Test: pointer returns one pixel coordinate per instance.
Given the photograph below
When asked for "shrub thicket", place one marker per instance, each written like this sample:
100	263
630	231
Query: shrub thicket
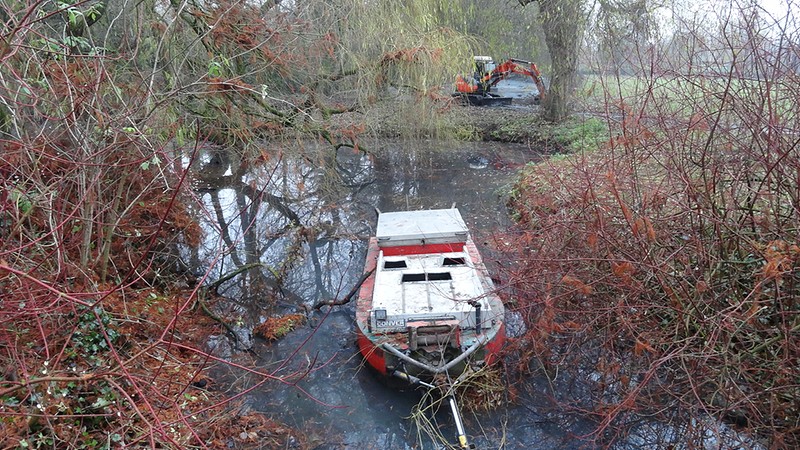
662	268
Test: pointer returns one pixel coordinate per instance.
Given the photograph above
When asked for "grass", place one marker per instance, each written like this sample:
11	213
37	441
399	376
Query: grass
673	94
571	136
579	135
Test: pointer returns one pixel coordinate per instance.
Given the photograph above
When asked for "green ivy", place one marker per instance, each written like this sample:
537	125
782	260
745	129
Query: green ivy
89	337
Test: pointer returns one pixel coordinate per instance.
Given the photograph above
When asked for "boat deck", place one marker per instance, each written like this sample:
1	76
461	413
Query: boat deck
426	287
429	294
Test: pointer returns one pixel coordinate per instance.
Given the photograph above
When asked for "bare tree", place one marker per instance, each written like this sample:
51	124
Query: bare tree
563	23
622	29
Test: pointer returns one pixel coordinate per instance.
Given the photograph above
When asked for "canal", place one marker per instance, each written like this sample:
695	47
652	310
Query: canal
299	220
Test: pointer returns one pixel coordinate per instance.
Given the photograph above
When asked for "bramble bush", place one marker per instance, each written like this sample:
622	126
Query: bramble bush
661	268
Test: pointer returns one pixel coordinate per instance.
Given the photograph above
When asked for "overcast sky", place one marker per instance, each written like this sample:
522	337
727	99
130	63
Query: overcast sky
777	7
711	12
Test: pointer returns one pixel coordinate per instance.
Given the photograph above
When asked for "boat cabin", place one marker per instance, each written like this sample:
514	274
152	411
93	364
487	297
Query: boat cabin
425	278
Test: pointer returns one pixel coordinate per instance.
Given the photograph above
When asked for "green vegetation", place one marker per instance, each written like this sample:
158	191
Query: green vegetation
660	240
104	108
570	136
518	129
578	135
95	334
670	94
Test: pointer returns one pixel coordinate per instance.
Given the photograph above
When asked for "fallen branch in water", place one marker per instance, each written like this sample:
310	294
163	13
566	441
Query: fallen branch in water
212	288
346	299
215	285
217	318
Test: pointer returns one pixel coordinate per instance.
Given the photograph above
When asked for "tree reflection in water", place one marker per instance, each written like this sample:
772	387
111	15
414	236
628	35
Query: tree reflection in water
302	218
306	218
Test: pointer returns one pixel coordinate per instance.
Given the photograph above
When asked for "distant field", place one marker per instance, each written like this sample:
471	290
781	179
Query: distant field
673	95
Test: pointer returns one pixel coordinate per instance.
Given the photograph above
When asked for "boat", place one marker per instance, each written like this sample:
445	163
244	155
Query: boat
427	305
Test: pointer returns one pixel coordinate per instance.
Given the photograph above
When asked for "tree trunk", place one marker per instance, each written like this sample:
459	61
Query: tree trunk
563	26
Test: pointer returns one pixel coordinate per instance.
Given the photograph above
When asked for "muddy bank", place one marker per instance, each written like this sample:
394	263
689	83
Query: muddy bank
440	116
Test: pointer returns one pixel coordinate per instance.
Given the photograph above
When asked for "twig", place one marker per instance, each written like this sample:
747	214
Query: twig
239	344
24	383
346	299
215	285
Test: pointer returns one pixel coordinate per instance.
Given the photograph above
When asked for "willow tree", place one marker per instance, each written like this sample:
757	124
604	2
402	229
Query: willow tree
622	30
411	50
563	24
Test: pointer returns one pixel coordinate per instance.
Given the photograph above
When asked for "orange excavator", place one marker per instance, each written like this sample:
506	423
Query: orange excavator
477	89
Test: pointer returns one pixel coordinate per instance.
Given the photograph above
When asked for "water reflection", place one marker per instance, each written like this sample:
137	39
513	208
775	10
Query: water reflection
305	219
299	222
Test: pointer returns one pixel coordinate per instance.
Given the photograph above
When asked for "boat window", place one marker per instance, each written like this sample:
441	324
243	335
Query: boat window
413	277
440	276
453	262
395	264
437	276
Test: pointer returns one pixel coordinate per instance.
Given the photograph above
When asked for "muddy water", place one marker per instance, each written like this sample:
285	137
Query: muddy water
301	220
305	218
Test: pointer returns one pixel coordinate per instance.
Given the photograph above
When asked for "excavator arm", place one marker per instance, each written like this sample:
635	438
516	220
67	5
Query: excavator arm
521	67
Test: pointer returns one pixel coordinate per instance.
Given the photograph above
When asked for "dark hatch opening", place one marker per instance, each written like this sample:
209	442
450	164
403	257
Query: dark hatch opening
453	262
436	276
413	277
395	264
439	276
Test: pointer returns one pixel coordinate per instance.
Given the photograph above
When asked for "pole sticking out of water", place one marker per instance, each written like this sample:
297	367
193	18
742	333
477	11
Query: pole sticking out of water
463	442
462	433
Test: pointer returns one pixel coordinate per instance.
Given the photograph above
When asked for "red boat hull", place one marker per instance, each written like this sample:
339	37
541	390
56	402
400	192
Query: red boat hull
371	344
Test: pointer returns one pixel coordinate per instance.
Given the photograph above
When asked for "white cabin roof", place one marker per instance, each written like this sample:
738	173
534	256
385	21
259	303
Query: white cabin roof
421	227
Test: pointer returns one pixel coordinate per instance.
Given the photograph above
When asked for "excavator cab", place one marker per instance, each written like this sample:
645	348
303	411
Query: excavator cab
478	84
484	65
